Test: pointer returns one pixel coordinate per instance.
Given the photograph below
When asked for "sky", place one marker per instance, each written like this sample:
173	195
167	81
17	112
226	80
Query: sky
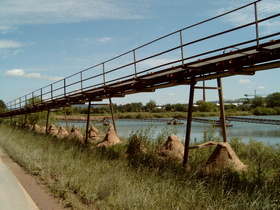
42	42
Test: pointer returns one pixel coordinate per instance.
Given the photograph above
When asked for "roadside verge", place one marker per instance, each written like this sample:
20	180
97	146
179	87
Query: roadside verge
41	197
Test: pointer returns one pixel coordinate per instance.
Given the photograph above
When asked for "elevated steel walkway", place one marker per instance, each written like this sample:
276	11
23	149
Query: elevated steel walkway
128	73
240	62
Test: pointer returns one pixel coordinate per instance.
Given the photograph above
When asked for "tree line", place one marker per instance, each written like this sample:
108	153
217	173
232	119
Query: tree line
269	105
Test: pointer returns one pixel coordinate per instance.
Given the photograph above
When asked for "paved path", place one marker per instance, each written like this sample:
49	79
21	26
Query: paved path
12	195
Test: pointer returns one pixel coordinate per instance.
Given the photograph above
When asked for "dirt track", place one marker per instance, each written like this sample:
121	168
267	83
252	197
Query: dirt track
38	192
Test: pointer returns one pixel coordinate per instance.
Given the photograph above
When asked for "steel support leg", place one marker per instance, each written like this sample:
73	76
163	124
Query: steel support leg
222	110
25	119
204	91
112	113
189	123
47	122
88	118
65	117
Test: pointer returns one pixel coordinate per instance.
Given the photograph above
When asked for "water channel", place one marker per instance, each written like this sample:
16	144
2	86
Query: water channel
268	134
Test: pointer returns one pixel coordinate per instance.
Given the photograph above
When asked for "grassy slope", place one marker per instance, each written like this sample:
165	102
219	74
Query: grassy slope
87	178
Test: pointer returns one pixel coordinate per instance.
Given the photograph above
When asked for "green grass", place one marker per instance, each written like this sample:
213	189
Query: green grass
87	178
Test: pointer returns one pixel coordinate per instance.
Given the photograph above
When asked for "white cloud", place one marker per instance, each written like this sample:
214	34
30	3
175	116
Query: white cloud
4	44
182	101
19	12
261	87
22	73
171	94
5	53
105	39
265	8
15	72
7	29
244	81
91	41
155	62
10	48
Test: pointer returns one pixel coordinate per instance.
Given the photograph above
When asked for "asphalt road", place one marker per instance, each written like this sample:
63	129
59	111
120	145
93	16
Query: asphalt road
12	195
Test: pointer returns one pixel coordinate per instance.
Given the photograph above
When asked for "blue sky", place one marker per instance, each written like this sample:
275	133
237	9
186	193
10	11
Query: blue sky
44	41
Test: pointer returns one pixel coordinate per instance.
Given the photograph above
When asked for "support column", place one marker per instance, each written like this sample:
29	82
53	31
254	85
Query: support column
88	118
47	122
189	123
66	122
112	113
222	110
204	91
25	119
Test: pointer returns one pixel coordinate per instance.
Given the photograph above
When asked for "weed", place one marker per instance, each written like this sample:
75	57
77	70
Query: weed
87	178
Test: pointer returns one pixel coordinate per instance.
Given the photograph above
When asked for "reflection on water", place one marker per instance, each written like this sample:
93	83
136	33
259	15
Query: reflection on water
260	132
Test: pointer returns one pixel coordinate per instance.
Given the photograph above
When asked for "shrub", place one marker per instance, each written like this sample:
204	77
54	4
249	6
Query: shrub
264	111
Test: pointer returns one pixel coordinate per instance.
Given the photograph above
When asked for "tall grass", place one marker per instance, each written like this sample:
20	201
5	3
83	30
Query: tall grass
86	178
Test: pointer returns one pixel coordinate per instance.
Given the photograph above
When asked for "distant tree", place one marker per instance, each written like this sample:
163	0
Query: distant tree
273	100
104	109
131	107
150	105
206	106
248	101
176	107
243	108
168	107
69	110
258	102
34	100
33	118
137	107
2	106
76	110
180	107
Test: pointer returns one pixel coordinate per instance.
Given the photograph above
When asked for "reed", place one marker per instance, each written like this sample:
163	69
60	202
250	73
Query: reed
86	178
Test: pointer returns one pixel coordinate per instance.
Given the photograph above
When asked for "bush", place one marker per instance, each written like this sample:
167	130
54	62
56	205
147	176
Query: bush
265	111
206	106
273	100
157	110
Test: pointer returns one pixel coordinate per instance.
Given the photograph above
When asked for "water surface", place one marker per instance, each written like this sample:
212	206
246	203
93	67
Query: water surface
260	132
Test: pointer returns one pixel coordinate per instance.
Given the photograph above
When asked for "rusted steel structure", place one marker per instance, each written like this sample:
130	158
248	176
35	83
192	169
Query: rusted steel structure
174	59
